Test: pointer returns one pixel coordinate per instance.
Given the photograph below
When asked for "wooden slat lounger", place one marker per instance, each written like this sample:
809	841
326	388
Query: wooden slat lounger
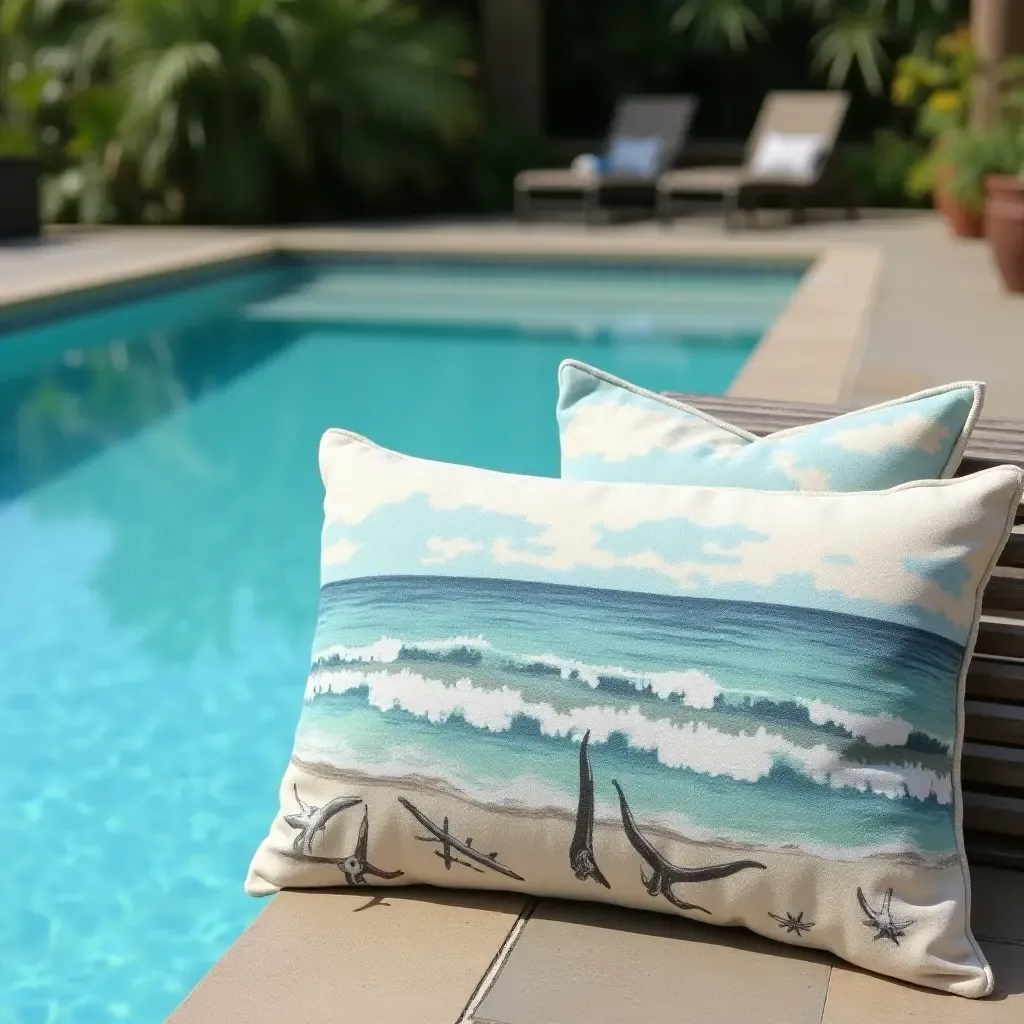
666	117
742	187
993	757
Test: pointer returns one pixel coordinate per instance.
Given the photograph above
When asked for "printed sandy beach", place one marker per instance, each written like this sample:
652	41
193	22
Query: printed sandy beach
784	893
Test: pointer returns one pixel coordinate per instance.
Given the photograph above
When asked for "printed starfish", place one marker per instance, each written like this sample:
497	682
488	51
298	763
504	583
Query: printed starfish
665	874
309	820
356	865
793	924
889	927
581	851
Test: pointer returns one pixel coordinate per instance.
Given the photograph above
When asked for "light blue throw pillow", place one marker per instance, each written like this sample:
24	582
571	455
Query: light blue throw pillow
630	154
612	430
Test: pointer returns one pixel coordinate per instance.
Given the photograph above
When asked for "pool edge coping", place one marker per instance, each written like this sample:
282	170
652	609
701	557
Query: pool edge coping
811	353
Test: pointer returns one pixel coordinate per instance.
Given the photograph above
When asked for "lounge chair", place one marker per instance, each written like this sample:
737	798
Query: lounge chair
789	156
637	120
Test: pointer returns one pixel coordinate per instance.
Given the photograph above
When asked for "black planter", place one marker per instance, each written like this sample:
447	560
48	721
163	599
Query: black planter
19	197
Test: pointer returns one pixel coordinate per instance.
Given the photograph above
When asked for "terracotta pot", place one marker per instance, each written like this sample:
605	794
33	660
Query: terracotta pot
1004	223
964	221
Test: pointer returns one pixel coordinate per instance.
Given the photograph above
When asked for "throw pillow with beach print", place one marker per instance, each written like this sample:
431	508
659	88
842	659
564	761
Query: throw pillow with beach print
612	430
744	707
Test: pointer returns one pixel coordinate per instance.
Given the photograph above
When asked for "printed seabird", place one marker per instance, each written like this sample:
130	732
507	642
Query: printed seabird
581	851
309	820
666	874
356	865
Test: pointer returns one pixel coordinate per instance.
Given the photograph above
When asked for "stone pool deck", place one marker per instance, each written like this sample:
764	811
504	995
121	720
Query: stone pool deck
423	956
891	304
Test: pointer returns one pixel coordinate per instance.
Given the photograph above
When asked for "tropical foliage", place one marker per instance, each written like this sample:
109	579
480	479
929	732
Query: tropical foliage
878	171
938	86
242	110
938	83
852	36
973	155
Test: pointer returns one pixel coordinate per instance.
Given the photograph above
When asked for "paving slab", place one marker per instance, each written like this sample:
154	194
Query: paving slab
856	997
78	260
578	963
409	956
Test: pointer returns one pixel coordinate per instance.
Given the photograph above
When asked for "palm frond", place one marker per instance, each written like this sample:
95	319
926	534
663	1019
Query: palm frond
223	96
735	24
855	40
283	120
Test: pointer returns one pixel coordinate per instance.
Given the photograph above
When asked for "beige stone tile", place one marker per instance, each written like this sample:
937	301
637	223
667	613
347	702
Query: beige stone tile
856	997
997	904
577	963
83	260
414	957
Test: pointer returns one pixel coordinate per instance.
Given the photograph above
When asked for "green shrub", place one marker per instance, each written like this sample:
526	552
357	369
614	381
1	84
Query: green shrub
246	111
878	171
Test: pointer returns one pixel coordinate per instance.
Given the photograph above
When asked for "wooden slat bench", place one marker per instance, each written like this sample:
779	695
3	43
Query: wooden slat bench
993	756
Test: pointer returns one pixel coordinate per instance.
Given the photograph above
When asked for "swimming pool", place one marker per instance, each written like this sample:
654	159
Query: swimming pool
159	518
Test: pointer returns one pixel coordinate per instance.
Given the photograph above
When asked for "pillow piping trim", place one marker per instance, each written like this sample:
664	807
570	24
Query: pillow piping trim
907	485
956	453
958	739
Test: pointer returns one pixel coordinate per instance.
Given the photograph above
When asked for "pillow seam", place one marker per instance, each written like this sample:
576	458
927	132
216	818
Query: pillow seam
953	460
907	485
958	741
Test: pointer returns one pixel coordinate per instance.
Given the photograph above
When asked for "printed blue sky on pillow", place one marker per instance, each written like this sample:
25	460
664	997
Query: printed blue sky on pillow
612	430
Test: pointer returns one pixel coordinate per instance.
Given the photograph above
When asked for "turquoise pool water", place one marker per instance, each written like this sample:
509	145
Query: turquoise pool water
159	522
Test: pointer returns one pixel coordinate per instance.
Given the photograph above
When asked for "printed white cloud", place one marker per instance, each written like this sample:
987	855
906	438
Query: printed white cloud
619	432
444	550
340	551
914	430
802	536
807	478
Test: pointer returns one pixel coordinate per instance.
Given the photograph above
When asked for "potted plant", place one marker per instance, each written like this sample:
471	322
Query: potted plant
938	87
972	157
1004	225
19	164
1004	213
1004	210
954	173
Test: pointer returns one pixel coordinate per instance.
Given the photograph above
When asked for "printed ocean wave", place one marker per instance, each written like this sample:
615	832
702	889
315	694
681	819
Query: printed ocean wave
386	650
745	757
878	730
695	688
